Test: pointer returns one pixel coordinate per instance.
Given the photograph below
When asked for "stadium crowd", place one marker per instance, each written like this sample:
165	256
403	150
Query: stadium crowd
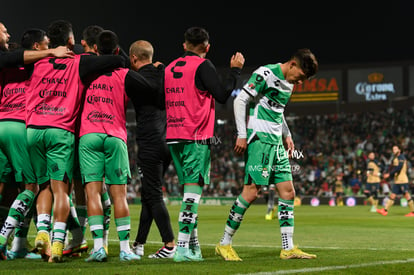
330	144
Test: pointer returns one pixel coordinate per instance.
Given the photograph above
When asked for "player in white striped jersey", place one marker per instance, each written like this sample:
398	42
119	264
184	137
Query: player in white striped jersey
267	161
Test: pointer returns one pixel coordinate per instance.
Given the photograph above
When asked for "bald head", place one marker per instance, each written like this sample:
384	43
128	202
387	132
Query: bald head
4	38
140	54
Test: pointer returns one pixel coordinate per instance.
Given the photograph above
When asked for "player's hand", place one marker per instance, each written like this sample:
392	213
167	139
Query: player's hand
237	60
386	175
156	64
290	145
62	52
241	145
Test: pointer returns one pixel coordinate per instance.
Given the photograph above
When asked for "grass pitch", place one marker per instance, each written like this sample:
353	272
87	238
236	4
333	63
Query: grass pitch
347	240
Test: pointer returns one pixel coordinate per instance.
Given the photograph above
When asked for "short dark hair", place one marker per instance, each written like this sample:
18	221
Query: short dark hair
59	32
307	61
32	36
90	34
196	36
107	42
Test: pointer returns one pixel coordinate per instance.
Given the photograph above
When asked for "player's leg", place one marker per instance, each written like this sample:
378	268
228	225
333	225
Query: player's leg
409	199
153	205
256	175
13	140
282	177
92	165
37	152
78	217
192	161
60	154
117	172
370	196
146	217
96	220
396	189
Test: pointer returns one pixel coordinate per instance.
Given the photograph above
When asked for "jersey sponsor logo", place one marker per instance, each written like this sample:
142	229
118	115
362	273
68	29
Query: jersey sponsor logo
92	99
96	116
47	109
45	93
8	92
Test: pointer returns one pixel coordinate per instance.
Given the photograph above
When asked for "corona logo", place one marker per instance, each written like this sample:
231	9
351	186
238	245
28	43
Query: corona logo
375	77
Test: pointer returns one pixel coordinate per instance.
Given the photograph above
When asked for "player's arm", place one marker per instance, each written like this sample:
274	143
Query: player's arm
288	137
397	169
92	64
208	80
22	57
135	84
240	109
60	52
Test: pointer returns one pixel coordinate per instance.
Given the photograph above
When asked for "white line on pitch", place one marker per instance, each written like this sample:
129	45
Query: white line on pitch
335	267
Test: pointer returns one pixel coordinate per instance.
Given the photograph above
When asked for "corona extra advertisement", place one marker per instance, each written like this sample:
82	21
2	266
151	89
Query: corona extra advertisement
375	84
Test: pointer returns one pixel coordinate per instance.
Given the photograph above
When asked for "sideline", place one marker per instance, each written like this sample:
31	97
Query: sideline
335	267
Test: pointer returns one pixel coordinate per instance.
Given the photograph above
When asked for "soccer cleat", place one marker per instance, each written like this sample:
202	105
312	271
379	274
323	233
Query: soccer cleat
162	253
3	252
128	256
57	252
42	244
373	209
196	253
23	253
227	252
98	256
295	253
75	249
138	250
268	217
411	214
182	254
382	211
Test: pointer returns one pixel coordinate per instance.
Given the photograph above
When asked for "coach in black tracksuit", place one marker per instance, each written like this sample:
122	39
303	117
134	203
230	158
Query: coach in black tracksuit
153	154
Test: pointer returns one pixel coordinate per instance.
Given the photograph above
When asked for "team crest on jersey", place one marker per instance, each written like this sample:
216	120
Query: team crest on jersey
265	173
252	86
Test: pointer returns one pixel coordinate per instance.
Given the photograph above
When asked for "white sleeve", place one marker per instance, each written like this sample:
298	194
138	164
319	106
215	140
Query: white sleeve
285	128
239	106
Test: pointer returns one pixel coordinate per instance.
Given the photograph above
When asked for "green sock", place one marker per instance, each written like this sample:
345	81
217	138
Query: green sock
96	227
18	210
286	222
234	220
123	227
188	214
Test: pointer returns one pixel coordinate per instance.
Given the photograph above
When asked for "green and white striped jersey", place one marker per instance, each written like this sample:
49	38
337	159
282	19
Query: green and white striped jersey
270	92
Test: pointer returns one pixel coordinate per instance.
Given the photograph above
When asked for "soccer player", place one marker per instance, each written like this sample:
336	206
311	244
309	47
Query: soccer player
400	187
269	89
78	244
339	189
153	154
13	141
373	181
191	88
53	102
103	150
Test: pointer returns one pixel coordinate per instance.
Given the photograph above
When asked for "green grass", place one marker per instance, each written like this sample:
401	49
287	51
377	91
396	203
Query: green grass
347	240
